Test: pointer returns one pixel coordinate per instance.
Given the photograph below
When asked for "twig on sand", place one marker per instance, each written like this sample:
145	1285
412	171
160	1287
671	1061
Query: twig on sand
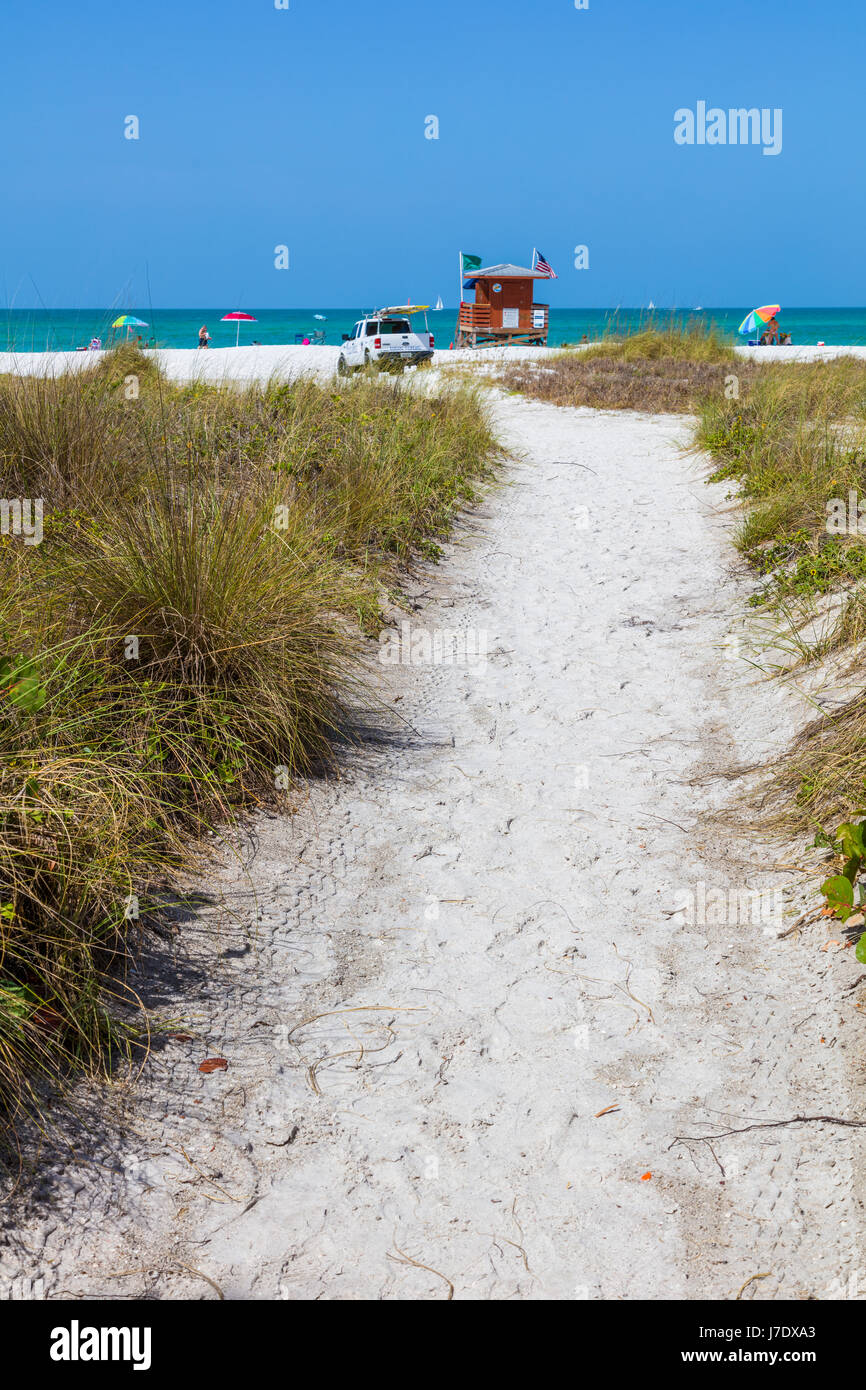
204	1175
360	1050
810	915
568	463
769	1124
626	985
494	1237
358	1009
205	1277
407	1260
125	1273
751	1279
652	815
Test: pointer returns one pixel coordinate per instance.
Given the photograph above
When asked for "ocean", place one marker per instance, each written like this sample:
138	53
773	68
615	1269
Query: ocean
35	330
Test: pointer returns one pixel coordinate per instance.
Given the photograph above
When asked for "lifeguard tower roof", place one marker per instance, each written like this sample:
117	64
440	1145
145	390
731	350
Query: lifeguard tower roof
505	272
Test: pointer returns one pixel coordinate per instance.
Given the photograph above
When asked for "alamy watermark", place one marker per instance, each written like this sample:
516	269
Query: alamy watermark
22	516
737	126
851	1286
418	646
846	518
23	1289
732	906
77	1343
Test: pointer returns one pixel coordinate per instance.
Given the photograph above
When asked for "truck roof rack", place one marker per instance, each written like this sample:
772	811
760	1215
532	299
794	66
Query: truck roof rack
401	309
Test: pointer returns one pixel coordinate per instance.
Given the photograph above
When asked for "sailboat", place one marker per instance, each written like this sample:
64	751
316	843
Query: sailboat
439	304
651	305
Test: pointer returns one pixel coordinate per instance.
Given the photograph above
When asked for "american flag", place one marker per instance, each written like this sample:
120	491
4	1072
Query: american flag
544	267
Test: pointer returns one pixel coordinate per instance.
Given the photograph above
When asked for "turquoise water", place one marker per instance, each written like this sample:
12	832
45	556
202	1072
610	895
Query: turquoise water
34	330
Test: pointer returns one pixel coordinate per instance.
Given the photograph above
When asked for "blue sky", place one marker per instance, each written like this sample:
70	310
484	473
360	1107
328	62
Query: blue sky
306	127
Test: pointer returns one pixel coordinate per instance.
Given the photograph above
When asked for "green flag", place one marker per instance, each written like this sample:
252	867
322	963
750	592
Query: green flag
470	262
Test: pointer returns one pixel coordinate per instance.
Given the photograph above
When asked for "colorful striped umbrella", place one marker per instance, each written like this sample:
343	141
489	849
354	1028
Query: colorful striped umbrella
758	317
127	321
238	318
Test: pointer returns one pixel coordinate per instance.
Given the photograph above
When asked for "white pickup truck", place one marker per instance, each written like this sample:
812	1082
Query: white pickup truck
388	339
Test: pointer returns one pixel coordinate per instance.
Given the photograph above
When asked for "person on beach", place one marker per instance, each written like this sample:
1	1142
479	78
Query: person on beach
773	331
203	336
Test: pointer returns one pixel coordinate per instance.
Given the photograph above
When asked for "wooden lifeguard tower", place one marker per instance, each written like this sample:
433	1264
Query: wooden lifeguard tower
504	310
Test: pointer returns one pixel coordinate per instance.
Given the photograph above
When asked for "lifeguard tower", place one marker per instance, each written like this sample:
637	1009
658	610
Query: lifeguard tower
504	310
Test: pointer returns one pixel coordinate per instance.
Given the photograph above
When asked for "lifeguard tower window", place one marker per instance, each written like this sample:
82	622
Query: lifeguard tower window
395	326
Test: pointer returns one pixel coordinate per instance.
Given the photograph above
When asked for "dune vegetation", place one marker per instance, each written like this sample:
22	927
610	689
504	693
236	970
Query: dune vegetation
795	445
669	366
184	640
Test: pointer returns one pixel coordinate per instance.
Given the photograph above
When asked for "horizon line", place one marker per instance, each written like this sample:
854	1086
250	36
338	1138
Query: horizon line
303	308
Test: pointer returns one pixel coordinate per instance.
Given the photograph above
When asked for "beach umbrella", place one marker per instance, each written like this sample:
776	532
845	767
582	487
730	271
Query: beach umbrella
238	318
127	321
758	317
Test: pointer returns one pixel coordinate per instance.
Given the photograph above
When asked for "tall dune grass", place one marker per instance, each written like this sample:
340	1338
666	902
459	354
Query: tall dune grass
185	641
793	442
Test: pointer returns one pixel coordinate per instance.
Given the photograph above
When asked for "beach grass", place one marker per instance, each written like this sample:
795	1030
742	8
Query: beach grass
659	368
794	447
185	642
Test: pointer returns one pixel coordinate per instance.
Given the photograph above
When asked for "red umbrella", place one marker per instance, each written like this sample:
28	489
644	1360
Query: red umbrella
238	318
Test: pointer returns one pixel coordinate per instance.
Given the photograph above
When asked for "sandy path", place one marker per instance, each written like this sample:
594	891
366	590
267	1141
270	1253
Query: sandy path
494	891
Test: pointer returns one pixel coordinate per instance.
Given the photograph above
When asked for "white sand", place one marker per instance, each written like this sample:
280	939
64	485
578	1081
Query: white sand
290	362
451	960
800	354
243	363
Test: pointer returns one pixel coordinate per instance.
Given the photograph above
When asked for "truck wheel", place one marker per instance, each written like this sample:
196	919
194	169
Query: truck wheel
343	368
